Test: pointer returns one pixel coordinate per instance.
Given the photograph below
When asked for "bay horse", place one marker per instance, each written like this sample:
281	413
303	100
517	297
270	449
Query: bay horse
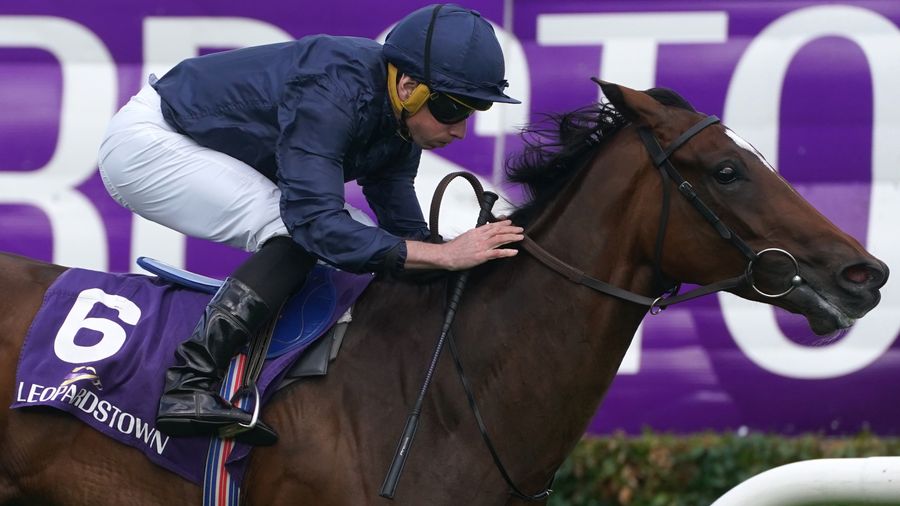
539	350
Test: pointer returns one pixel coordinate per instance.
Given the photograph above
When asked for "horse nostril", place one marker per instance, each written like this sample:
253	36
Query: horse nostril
858	274
865	275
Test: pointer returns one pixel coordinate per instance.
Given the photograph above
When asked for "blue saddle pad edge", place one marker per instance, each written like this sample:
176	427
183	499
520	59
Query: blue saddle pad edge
305	317
179	276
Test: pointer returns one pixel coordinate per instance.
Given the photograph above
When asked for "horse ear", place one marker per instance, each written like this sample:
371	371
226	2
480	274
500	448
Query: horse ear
634	105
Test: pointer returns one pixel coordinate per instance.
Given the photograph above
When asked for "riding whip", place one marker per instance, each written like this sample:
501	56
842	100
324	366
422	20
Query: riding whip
412	422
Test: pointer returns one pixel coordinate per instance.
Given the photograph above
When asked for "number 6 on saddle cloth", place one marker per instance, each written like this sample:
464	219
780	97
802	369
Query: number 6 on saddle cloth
126	328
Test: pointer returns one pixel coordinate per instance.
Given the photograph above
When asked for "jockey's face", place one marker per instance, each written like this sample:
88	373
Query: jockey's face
425	131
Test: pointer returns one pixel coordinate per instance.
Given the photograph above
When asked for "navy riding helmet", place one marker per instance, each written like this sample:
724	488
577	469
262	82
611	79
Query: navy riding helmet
452	50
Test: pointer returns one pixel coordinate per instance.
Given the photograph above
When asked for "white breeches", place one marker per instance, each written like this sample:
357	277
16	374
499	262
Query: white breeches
168	178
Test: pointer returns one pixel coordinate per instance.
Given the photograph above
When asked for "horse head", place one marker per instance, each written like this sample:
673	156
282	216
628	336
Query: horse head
790	254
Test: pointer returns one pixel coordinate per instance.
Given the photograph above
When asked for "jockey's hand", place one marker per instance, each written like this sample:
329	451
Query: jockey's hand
472	248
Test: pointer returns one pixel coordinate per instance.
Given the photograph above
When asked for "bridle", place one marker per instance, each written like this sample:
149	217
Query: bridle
669	174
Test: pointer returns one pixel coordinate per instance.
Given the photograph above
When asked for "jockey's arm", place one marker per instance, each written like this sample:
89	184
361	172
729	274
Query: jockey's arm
394	201
310	178
472	248
391	195
313	198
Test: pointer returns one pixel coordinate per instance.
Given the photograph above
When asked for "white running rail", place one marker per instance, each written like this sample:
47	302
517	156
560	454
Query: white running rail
863	481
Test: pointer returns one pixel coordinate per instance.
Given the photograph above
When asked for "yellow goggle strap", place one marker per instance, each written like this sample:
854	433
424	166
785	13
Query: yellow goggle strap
416	99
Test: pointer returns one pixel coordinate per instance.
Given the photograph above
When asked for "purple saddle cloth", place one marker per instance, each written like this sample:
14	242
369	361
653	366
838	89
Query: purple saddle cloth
99	346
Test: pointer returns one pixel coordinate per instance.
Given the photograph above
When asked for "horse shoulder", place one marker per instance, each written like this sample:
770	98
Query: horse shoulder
336	432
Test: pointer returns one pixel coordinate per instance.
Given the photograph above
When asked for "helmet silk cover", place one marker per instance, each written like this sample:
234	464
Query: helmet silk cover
464	57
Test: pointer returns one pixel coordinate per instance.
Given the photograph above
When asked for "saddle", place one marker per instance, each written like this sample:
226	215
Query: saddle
303	321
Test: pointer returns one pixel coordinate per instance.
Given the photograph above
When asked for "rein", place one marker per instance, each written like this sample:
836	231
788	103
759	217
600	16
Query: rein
388	487
668	173
433	220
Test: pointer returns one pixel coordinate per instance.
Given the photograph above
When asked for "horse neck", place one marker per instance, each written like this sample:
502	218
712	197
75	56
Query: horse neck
604	223
548	340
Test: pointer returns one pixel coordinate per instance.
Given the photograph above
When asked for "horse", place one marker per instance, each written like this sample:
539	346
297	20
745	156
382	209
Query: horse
539	350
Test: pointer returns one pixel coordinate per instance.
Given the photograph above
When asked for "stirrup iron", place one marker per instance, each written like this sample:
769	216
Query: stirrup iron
230	431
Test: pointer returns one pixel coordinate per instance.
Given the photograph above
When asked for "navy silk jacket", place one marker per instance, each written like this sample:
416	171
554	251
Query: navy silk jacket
310	115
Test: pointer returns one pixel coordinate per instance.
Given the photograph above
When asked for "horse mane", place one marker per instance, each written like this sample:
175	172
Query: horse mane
559	145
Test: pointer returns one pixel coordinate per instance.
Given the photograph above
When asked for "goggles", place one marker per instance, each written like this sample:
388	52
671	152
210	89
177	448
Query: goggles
450	109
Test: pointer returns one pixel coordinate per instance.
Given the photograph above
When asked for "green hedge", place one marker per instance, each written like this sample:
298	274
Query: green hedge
669	470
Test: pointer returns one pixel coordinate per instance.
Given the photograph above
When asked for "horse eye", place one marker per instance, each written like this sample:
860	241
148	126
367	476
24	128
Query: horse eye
726	175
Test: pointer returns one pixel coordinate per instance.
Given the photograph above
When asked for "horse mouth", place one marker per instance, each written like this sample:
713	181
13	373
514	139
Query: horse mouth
825	316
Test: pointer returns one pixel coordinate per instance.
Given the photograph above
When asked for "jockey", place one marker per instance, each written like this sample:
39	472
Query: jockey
252	148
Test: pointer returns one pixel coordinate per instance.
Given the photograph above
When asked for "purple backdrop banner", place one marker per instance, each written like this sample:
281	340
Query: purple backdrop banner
810	83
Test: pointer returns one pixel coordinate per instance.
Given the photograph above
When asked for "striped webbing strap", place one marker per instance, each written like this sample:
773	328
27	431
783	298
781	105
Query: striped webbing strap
219	489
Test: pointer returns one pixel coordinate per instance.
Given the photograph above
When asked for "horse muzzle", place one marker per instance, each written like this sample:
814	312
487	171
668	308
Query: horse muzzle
835	304
862	277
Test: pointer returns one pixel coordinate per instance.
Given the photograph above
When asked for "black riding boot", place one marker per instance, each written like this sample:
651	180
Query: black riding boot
191	405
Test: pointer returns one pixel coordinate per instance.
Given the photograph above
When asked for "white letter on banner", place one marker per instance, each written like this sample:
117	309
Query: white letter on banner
502	119
630	42
167	41
113	334
88	101
508	118
752	108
